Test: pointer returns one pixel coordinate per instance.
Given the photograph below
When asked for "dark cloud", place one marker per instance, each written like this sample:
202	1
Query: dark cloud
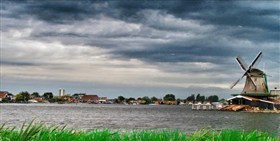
162	34
56	34
17	63
223	14
180	53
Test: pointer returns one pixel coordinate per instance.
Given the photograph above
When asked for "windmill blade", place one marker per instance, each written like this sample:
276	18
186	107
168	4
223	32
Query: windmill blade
249	76
241	63
237	80
255	60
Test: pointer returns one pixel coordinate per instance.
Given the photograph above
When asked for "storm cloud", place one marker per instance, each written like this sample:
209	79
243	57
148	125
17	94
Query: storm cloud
115	48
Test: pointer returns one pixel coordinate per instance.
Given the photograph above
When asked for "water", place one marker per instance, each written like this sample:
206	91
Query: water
127	117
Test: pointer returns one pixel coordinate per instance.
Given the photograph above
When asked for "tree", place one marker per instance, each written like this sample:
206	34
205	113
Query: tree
213	98
60	99
48	95
35	94
169	97
130	99
154	98
202	98
197	97
191	98
23	96
147	100
6	100
121	98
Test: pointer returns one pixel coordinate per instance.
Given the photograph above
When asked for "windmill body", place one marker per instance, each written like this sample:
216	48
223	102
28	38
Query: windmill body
256	84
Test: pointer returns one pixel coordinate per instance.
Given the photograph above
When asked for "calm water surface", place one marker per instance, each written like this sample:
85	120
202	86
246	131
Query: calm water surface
127	117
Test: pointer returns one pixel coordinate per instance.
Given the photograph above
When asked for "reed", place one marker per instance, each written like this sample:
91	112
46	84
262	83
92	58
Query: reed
41	132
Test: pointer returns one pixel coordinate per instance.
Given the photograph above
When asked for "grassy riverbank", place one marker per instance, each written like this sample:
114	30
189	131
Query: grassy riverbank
40	132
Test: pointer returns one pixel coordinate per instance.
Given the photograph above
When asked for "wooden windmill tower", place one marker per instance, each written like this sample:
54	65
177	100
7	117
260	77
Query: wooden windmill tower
256	82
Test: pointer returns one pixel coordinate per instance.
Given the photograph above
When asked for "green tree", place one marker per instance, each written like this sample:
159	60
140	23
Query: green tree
202	98
60	99
35	94
213	98
169	97
6	100
130	99
191	98
121	99
23	97
48	95
147	100
154	98
198	97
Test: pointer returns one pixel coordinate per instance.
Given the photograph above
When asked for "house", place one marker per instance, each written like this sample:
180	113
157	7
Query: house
102	100
170	102
276	93
6	95
136	102
268	103
71	100
78	97
159	101
90	99
38	99
3	95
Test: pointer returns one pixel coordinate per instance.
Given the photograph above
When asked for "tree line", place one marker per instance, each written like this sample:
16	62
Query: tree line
200	98
170	97
24	96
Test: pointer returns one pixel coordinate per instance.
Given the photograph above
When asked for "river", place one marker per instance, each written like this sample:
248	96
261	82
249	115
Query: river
127	117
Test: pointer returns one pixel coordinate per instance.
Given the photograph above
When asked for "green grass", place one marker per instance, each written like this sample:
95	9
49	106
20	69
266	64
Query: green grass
40	132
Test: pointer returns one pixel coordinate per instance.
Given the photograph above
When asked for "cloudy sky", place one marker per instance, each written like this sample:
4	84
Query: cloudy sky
136	48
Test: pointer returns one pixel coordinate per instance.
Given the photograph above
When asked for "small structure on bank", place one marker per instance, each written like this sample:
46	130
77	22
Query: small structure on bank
90	99
255	94
208	106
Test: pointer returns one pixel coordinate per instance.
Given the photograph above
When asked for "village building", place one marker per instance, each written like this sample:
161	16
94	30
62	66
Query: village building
158	102
170	102
6	95
90	99
103	100
137	101
275	92
3	95
253	102
38	99
71	100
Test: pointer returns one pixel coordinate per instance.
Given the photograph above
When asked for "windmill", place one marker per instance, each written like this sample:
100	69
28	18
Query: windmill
256	82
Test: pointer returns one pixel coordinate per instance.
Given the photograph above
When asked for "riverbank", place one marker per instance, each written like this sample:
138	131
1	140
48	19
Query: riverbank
265	111
39	132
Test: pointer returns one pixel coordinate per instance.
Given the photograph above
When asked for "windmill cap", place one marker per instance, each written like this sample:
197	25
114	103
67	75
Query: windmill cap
255	71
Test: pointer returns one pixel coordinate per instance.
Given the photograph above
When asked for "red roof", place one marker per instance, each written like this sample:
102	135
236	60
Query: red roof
89	97
3	94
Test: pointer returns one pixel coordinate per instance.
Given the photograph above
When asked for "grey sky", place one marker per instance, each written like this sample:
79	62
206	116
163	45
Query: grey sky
136	48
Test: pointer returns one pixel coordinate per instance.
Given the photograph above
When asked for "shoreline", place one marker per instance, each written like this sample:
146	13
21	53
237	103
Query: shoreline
86	104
